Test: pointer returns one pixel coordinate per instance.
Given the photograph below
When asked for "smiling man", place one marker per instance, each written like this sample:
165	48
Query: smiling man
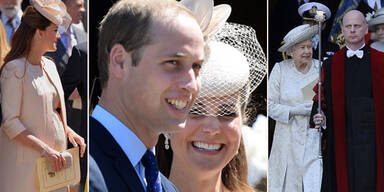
150	54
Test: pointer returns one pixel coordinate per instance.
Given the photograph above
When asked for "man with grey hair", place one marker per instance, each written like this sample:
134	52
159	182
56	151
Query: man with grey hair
150	54
353	105
10	16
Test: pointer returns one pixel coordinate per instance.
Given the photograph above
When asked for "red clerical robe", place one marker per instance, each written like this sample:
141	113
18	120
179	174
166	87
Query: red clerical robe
335	177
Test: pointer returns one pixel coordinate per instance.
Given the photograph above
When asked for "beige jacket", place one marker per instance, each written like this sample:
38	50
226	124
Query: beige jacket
30	96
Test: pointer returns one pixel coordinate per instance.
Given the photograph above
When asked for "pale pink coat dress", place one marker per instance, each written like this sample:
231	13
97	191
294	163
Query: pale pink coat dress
30	96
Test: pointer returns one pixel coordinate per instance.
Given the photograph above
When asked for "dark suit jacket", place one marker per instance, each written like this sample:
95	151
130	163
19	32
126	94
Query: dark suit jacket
97	183
60	56
75	75
117	170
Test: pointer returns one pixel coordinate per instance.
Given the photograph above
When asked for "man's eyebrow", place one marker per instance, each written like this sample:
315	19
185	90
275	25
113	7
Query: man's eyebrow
181	55
175	54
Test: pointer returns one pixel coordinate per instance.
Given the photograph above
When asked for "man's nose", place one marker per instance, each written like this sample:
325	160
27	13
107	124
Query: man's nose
190	81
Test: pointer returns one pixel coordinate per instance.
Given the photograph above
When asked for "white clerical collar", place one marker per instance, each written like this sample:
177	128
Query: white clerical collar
356	49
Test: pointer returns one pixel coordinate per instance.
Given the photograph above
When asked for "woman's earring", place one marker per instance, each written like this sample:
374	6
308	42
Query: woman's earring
166	142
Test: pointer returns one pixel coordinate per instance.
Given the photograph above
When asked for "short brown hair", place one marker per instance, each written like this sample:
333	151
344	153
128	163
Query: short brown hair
128	23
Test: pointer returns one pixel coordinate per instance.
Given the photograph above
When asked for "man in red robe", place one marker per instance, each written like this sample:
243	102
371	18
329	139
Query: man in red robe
353	93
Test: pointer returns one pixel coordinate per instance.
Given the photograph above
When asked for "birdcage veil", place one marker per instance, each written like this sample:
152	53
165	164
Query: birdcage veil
234	67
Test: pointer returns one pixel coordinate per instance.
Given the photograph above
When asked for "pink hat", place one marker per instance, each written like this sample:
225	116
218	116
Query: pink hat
54	10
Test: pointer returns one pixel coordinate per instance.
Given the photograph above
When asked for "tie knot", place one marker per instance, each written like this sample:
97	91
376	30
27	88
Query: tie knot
149	160
12	23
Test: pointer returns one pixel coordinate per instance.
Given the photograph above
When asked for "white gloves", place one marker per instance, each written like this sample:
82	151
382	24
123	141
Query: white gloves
301	109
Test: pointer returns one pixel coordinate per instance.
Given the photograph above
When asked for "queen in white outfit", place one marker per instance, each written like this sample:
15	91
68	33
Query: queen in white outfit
293	162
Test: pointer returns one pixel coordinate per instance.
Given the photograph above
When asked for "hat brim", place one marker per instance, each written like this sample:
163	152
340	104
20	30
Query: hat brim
320	6
375	21
301	36
55	11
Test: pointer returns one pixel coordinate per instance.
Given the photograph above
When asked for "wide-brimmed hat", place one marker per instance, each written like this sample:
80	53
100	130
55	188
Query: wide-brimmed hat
211	18
54	10
375	19
308	10
297	35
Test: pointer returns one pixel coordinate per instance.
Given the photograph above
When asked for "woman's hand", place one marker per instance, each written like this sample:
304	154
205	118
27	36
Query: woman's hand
76	139
55	158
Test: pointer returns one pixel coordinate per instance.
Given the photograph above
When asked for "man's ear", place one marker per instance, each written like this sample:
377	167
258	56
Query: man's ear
119	61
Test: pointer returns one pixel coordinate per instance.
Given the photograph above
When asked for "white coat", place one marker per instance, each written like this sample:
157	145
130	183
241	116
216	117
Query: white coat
294	143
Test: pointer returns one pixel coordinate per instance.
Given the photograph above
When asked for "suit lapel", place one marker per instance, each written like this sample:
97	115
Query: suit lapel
128	173
60	51
122	165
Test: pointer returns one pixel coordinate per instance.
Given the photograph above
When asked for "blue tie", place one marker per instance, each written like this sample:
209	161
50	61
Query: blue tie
12	24
151	172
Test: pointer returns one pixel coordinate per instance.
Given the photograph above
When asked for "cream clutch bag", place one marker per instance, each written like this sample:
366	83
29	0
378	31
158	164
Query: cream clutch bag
68	161
50	180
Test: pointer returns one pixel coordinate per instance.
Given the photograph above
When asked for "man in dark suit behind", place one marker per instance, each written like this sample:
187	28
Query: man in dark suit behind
75	76
150	54
68	39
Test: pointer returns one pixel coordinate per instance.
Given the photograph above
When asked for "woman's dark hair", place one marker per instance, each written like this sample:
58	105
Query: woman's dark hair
234	174
22	38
